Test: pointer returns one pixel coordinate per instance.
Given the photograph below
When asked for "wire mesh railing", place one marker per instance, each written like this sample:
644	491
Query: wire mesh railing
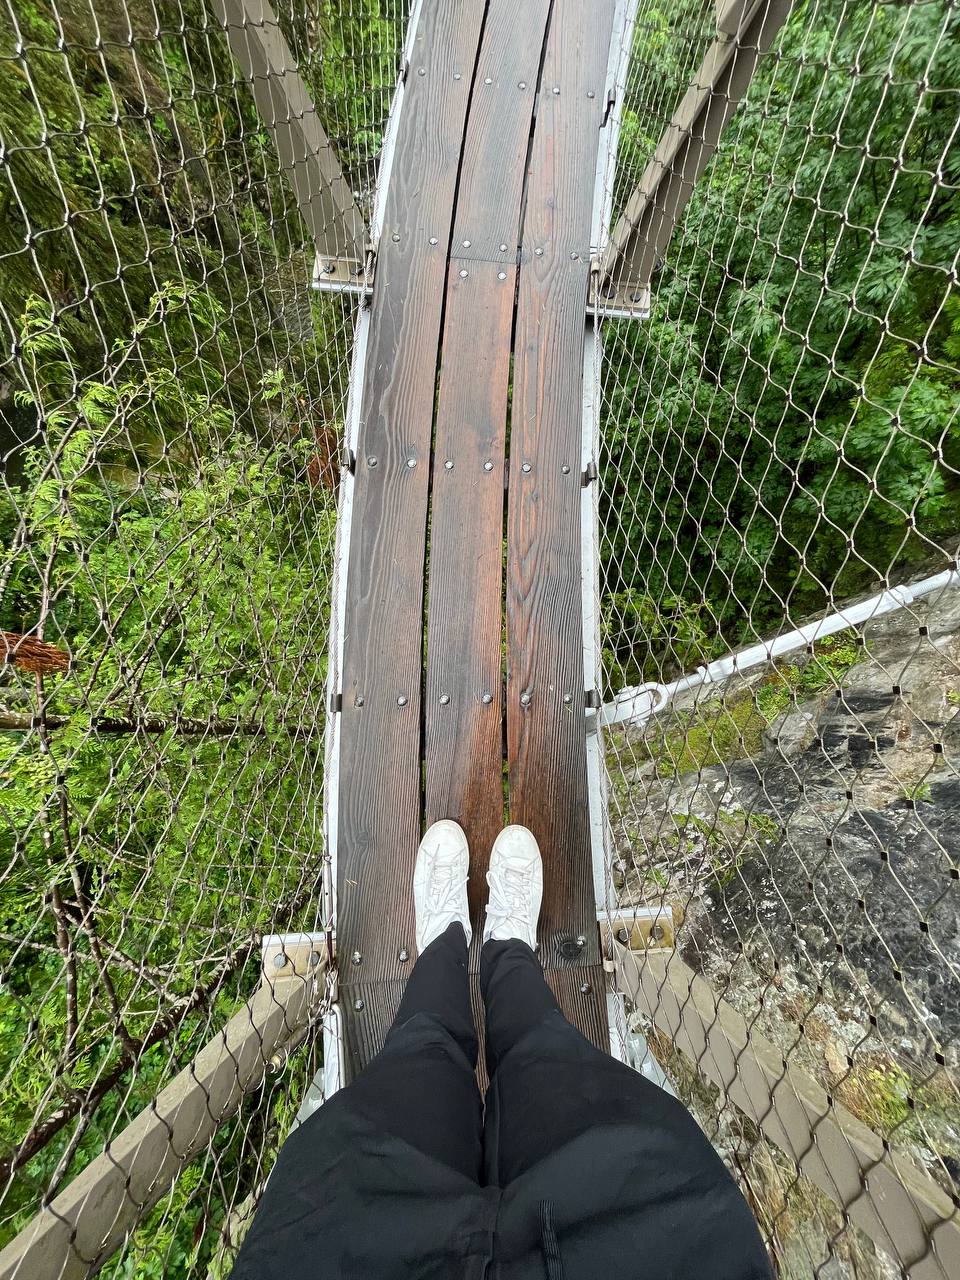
171	406
779	440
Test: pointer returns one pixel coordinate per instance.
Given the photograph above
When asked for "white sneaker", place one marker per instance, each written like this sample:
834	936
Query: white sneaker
516	887
440	883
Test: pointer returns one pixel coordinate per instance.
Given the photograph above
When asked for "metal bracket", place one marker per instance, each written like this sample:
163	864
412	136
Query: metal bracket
589	474
336	704
639	929
291	955
591	699
343	275
617	300
611	103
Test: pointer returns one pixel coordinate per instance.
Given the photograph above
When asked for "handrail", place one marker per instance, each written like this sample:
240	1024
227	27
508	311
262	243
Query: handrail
76	1233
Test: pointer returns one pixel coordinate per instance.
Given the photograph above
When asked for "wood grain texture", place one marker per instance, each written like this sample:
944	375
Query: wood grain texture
546	729
498	132
380	775
463	743
464	733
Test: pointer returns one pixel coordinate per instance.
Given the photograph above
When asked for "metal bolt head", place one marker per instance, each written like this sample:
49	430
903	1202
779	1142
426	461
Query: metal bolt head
280	959
401	701
574	256
591	93
358	1004
356	958
568	698
556	89
525	466
522	84
371	461
585	989
488	80
396	237
656	933
464	274
433	240
448	465
524	699
411	463
565	468
623	935
466	244
501	275
403	955
458	75
488	466
444	699
421	71
486	699
503	248
359	700
538	252
581	940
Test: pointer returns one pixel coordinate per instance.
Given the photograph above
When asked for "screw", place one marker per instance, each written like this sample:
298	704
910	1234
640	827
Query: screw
522	84
371	461
581	940
358	1004
464	274
487	699
565	469
411	463
444	699
488	80
538	252
448	465
574	256
433	239
525	466
591	93
401	701
501	275
403	955
396	237
568	698
488	466
358	701
421	71
503	248
356	958
623	935
458	75
585	989
466	244
524	699
556	89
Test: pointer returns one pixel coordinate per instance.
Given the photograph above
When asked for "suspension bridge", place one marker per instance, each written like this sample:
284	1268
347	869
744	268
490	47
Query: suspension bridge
472	604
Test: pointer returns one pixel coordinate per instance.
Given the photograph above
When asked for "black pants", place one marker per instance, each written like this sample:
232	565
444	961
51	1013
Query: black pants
421	1087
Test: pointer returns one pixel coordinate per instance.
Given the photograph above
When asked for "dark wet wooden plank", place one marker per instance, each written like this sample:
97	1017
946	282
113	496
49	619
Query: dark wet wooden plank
463	711
545	677
380	772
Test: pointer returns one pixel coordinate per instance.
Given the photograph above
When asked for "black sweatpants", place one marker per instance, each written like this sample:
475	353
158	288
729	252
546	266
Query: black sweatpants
421	1087
578	1167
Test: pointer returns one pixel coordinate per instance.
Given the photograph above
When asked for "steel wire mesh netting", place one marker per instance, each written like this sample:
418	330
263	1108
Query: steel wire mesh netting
171	406
780	440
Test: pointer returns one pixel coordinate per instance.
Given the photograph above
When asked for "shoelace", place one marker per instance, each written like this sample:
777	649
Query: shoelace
511	888
443	886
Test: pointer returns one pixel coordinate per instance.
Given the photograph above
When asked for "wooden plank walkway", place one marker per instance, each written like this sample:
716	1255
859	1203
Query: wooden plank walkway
481	285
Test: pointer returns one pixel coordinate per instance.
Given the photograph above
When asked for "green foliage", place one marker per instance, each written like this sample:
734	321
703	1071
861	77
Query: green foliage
188	579
784	428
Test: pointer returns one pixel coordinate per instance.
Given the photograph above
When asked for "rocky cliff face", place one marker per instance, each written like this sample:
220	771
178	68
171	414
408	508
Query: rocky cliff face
805	825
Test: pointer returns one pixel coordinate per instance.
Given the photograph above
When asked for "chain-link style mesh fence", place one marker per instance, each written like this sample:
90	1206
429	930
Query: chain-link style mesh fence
172	399
779	447
780	441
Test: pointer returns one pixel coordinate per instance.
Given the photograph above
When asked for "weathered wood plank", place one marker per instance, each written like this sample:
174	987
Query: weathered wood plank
380	775
463	712
545	678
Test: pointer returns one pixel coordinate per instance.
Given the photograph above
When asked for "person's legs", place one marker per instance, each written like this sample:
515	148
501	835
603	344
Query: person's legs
421	1087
